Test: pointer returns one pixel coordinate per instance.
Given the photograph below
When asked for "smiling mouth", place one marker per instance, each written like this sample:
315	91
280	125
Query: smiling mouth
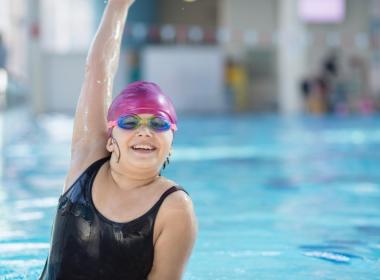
144	148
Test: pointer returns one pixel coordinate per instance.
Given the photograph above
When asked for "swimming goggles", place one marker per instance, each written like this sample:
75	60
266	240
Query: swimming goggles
132	121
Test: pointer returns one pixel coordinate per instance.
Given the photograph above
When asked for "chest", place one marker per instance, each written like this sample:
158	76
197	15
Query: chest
119	206
129	207
81	241
80	227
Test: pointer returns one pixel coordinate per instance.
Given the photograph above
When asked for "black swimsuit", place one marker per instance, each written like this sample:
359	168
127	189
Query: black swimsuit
87	245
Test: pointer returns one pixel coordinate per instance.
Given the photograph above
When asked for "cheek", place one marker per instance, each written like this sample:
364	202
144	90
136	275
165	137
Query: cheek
166	142
123	137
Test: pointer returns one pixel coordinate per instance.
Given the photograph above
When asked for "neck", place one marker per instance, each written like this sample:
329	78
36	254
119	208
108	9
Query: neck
127	179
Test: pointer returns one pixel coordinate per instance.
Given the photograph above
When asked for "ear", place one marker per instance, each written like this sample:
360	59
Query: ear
109	144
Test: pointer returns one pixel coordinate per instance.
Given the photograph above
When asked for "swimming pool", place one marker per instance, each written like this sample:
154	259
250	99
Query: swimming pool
276	198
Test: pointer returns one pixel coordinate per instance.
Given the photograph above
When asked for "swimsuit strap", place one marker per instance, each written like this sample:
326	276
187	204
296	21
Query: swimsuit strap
169	191
95	166
86	175
173	189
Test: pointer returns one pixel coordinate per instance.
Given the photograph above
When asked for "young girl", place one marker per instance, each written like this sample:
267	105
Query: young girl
118	218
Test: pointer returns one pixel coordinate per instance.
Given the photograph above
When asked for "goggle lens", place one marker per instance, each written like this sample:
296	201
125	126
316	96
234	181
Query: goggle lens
128	122
133	121
159	124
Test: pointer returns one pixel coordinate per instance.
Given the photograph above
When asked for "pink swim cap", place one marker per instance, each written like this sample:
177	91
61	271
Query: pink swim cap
142	97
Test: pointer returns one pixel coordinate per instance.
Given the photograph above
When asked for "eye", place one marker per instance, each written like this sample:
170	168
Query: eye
159	123
129	122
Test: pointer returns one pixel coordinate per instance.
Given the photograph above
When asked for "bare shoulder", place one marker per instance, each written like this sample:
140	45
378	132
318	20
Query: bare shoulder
178	226
177	205
177	199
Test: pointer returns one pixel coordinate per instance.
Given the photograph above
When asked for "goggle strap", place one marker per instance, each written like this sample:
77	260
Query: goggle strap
112	124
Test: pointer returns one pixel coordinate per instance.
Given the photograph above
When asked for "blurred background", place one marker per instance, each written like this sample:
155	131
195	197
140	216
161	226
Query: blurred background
288	56
279	133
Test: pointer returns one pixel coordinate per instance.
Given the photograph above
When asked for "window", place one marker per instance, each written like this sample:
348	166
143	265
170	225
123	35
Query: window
319	11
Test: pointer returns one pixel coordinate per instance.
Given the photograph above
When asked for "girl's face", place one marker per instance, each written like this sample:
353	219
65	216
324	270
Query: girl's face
141	148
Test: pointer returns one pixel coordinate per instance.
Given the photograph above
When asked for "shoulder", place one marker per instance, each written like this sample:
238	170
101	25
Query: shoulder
178	206
177	200
178	231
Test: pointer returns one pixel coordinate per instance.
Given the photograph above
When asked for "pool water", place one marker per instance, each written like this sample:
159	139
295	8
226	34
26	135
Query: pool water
276	198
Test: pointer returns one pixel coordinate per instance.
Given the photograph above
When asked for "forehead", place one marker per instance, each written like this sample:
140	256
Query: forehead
148	115
145	115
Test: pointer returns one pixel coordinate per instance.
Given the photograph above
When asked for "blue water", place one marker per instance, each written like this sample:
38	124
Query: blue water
276	198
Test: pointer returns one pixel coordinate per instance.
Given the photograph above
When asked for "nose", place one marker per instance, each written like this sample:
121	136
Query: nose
144	131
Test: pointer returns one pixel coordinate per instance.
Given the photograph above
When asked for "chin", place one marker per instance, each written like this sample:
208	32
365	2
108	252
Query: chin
148	165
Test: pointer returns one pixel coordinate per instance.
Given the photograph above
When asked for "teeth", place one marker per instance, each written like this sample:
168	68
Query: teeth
145	147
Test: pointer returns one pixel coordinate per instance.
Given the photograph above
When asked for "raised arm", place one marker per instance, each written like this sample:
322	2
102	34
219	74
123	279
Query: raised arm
90	124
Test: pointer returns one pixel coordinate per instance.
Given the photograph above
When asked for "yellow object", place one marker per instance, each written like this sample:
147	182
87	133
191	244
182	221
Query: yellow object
237	79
